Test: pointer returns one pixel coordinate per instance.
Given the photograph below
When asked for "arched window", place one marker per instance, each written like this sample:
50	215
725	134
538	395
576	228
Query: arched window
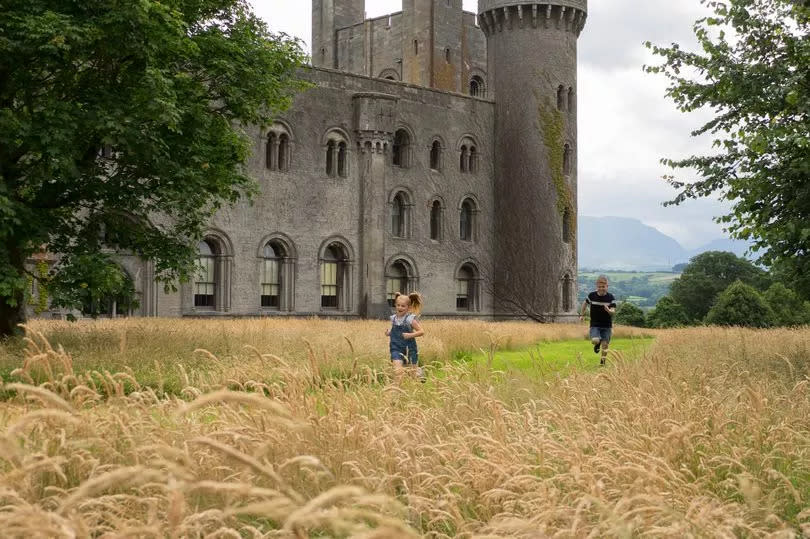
468	155
567	303
466	225
477	88
389	74
436	220
571	97
466	288
330	281
399	277
401	149
416	46
567	159
447	55
277	153
400	215
337	155
566	226
464	159
435	155
473	164
560	97
271	275
205	281
342	160
110	306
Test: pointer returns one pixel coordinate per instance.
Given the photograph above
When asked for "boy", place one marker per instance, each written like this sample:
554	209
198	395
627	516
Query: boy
603	307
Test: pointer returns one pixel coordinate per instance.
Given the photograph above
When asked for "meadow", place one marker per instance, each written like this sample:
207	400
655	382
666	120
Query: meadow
294	428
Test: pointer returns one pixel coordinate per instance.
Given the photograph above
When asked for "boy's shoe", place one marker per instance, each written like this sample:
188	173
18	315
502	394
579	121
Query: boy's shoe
420	373
596	347
602	362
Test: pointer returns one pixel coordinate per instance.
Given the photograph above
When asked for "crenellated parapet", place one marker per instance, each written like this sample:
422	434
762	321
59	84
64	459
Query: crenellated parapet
499	15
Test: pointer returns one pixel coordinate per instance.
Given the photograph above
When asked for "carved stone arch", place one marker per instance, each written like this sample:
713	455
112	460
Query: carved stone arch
472	197
210	290
477	77
466	139
278	145
469	153
222	239
282	238
468	209
336	144
336	259
335	133
388	73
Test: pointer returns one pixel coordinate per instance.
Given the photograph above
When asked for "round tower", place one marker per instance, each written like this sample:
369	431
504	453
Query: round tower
532	64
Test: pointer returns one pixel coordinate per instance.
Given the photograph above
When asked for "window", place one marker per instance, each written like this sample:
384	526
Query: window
466	289
567	304
416	46
271	276
561	97
277	152
466	224
400	215
205	279
435	155
566	226
472	166
571	103
401	149
396	280
464	159
447	55
329	278
468	156
436	220
477	86
337	155
567	159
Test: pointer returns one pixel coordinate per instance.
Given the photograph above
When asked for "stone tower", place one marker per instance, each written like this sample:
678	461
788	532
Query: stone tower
532	71
329	16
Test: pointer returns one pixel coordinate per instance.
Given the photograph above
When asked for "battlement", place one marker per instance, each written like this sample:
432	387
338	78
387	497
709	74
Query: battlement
497	15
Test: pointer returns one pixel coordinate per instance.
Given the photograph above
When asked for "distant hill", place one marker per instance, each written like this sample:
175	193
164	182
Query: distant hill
620	243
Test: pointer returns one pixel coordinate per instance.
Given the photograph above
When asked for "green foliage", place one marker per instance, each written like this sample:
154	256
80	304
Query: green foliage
121	126
740	305
751	71
641	288
668	313
707	275
553	133
787	307
630	315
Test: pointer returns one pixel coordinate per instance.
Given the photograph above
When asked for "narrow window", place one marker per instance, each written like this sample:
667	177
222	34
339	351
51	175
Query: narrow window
342	169
435	220
435	155
447	55
205	279
271	147
401	148
560	98
284	153
567	159
416	46
330	151
464	159
396	281
330	278
474	88
465	224
473	165
271	277
465	292
398	216
566	227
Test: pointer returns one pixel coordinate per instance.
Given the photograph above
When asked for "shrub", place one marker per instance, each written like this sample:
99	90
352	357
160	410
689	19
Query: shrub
630	315
740	305
668	313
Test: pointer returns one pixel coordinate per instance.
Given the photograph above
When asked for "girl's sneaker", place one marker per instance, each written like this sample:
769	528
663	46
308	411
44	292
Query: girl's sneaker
420	373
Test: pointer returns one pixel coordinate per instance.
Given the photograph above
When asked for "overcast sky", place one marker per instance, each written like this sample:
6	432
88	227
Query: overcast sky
625	123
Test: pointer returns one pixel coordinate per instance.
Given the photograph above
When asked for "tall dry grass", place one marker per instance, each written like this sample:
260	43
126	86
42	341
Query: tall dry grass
705	435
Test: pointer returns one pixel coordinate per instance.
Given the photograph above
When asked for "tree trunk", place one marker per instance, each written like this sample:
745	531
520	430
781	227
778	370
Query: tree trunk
12	316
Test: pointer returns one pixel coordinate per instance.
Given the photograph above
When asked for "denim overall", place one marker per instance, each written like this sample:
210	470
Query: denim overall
401	348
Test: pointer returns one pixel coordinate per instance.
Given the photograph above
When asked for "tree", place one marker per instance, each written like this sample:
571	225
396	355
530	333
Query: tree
740	305
630	315
787	307
751	72
121	130
707	275
667	314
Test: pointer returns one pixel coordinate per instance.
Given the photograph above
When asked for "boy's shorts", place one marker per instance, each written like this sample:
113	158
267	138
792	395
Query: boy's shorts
603	334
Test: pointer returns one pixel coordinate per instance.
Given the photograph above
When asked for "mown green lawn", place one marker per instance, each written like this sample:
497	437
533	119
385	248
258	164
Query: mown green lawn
557	356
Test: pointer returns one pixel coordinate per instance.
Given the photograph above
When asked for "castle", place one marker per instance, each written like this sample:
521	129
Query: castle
436	151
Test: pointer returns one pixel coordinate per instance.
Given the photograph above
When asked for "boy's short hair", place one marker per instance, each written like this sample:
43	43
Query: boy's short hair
602	278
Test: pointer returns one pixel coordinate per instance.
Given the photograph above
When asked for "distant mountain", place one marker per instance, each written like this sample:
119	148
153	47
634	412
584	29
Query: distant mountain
620	243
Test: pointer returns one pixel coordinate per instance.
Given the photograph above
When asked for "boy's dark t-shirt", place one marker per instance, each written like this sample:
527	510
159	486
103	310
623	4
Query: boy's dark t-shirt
600	318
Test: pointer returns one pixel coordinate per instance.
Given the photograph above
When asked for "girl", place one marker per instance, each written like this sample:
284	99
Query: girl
405	328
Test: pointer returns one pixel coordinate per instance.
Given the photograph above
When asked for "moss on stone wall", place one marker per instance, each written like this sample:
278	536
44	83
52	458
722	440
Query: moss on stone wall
552	131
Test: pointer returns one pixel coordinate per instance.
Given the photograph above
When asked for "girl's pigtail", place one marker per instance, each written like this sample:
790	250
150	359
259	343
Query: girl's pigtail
416	302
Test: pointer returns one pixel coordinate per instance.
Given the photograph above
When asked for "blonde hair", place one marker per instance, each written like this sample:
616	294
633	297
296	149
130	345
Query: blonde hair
415	299
602	277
